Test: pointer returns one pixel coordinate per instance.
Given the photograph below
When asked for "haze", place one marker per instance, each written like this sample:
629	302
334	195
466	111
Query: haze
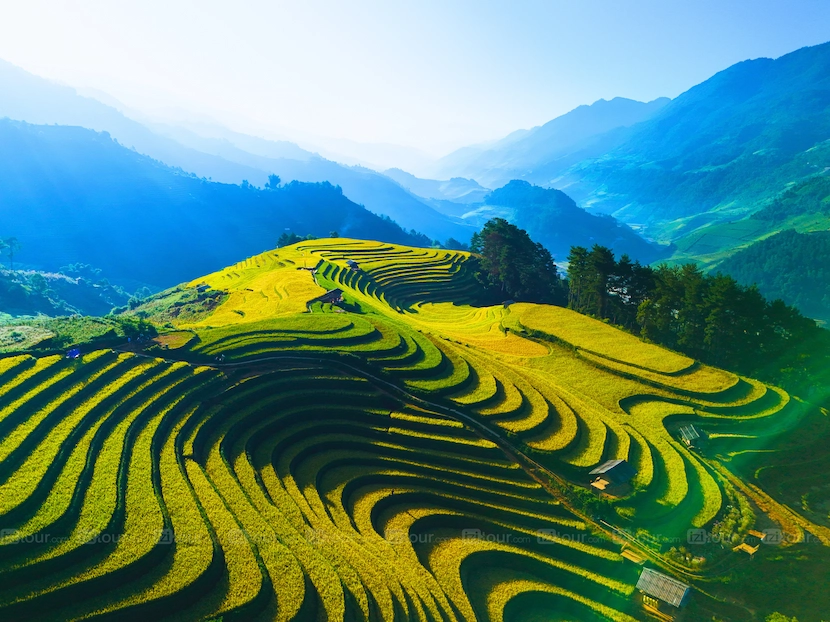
423	75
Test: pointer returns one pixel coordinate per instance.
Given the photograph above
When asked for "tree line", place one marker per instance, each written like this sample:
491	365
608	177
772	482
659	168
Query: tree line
709	317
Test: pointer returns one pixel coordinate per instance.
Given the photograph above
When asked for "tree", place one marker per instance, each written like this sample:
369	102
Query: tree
577	278
514	266
454	245
334	234
273	182
39	283
601	265
13	245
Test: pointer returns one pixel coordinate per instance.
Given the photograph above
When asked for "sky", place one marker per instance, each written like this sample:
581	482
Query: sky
430	75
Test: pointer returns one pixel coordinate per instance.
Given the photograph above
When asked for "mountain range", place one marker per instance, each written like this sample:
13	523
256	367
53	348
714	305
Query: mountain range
71	195
726	164
718	152
539	153
227	157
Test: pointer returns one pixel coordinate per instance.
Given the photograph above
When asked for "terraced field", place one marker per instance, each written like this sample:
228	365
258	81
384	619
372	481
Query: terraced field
409	456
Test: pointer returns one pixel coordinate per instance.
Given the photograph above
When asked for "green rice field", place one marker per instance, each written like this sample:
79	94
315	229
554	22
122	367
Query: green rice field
408	455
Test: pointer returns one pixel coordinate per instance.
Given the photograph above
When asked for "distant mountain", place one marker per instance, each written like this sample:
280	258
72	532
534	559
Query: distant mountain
794	267
73	195
721	149
26	97
552	218
551	147
456	189
225	156
378	193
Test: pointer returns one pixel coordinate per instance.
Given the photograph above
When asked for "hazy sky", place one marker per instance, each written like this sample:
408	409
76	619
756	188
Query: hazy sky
428	74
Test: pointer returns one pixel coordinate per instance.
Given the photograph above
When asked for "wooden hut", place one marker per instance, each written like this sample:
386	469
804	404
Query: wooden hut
612	476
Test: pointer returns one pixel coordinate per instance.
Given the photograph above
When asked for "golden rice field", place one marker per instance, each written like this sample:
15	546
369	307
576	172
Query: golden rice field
276	462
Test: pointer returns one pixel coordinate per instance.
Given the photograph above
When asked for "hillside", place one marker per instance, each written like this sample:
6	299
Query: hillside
792	266
803	207
552	218
30	292
716	153
215	153
405	455
721	149
72	195
541	153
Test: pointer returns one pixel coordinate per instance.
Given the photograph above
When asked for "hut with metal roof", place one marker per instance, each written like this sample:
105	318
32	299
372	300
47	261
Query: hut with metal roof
664	588
692	436
612	475
352	264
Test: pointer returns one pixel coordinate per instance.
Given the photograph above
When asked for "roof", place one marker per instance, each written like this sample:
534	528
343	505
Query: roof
616	471
351	262
751	550
664	587
690	433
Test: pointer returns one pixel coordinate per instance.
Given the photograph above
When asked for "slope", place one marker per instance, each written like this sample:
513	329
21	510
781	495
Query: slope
541	153
71	195
721	149
792	266
229	158
552	218
408	455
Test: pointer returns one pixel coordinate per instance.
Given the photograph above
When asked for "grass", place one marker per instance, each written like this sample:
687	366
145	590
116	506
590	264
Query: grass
296	489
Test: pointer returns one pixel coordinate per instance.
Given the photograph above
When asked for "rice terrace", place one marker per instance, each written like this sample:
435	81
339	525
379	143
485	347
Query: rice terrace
340	430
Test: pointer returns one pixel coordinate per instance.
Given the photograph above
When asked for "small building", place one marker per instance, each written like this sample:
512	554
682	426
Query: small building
507	303
73	353
692	436
663	588
746	548
333	296
612	475
202	288
352	264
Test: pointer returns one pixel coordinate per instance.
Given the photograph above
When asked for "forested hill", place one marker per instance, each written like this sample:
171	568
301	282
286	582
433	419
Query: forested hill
552	218
789	265
73	195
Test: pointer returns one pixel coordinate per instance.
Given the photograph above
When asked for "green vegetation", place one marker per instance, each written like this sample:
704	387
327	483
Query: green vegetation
791	266
410	453
554	219
711	318
513	266
30	292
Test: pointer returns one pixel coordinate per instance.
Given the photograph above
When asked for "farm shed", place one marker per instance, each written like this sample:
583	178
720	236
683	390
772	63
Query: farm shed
352	264
612	473
691	436
663	587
